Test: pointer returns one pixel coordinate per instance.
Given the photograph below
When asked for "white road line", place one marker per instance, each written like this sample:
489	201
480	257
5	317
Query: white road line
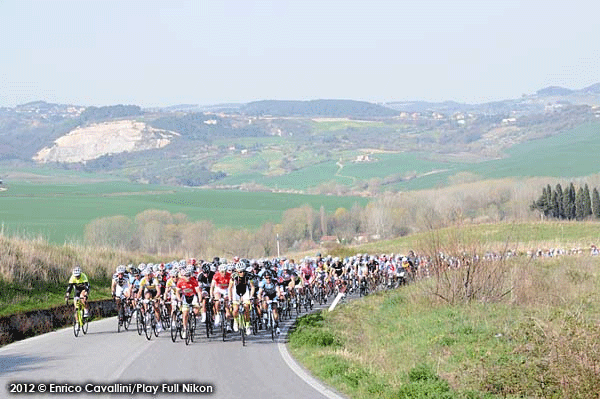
299	371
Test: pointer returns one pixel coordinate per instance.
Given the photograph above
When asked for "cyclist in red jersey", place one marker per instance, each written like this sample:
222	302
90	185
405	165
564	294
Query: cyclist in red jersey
219	288
188	292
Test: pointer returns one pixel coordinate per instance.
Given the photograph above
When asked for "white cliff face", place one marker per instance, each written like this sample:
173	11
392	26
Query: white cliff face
94	141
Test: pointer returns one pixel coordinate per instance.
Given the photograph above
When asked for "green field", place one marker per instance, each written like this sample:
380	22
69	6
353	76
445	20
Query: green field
59	211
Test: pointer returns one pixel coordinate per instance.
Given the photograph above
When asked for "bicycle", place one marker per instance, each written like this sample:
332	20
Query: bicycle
176	324
254	318
271	318
208	323
165	315
242	322
123	312
139	318
80	322
191	327
150	322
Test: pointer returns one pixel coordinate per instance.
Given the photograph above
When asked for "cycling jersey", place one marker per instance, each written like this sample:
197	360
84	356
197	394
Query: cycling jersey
188	288
241	283
80	284
269	288
222	281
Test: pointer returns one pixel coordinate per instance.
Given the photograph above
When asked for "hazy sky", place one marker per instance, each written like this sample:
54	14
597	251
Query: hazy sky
156	53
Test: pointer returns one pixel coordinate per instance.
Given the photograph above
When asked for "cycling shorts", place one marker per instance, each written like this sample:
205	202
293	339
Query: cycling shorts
188	301
245	297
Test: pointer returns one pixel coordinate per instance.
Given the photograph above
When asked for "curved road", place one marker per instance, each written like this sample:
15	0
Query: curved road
103	357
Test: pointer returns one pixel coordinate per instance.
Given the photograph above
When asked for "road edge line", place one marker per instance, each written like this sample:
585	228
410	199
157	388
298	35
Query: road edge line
300	372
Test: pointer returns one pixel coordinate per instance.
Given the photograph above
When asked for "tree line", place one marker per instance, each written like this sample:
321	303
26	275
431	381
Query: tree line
568	204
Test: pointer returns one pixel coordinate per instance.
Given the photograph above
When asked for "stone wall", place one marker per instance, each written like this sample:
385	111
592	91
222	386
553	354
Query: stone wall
23	325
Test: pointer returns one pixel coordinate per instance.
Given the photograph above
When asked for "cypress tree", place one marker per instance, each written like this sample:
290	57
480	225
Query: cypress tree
554	209
579	205
570	202
596	203
559	199
587	201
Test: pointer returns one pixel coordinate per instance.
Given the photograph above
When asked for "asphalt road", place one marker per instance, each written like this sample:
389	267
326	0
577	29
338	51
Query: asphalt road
125	361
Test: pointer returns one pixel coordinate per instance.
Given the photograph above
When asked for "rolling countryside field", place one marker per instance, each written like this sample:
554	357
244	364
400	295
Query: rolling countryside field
58	211
571	153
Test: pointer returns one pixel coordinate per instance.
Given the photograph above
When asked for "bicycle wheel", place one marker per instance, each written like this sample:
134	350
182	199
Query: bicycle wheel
155	325
242	327
223	325
165	318
194	323
174	327
84	321
139	321
148	324
76	326
208	324
188	335
127	318
272	325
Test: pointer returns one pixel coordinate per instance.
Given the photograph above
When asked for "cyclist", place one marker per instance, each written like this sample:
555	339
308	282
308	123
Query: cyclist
149	288
171	290
205	279
187	293
135	278
80	283
244	290
218	288
267	290
120	290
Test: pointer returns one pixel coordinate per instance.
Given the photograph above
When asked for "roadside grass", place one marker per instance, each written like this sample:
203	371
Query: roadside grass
16	298
34	273
539	341
519	237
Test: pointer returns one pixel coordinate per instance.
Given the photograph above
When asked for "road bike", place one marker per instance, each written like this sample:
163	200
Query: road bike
80	322
176	324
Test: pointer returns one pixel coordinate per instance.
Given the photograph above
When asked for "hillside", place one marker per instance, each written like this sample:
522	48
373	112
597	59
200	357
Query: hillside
320	146
318	108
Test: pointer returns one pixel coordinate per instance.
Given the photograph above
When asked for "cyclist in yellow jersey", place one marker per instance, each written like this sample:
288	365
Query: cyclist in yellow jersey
80	283
149	288
171	290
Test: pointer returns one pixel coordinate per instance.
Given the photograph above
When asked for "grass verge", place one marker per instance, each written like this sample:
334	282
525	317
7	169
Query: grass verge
541	341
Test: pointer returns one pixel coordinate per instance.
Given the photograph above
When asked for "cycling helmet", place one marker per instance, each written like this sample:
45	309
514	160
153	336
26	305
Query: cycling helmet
206	268
249	269
230	267
121	269
161	267
135	271
190	268
213	268
187	273
142	266
76	271
223	261
239	267
173	273
222	268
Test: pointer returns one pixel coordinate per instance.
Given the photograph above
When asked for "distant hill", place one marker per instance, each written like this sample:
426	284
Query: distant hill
554	91
318	108
593	89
